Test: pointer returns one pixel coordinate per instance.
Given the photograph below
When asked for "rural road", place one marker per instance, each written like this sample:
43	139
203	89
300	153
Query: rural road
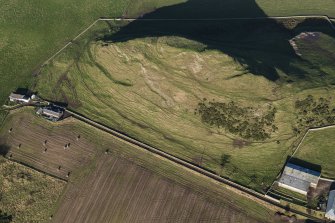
256	196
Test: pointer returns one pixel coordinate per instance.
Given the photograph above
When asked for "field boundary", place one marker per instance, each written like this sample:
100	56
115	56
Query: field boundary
243	191
119	19
254	195
313	129
122	136
36	169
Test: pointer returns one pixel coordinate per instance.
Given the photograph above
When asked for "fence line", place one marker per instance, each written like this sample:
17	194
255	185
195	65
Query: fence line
176	19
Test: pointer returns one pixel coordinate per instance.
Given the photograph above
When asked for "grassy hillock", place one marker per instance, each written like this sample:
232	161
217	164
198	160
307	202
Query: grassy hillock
150	87
33	30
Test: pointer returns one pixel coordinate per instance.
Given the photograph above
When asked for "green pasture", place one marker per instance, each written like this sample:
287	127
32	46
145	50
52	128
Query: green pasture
318	148
33	30
137	88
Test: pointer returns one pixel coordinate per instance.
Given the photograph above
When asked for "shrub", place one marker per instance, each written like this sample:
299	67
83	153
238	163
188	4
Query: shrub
313	113
247	122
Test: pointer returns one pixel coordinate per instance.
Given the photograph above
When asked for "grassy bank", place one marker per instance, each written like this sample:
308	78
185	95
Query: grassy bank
318	148
27	195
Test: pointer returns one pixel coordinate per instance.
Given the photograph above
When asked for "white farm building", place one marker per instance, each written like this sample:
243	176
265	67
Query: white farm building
298	178
19	98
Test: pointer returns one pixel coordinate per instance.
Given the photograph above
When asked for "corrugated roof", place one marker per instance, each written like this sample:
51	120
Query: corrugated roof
299	177
17	96
295	182
53	113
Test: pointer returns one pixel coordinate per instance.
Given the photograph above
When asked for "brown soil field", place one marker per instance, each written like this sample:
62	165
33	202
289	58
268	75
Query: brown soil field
128	184
41	146
121	191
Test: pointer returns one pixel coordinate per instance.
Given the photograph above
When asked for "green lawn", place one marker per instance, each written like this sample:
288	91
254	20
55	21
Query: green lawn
319	148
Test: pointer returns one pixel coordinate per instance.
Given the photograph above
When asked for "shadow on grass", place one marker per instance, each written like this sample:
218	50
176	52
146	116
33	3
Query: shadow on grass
5	218
261	45
4	149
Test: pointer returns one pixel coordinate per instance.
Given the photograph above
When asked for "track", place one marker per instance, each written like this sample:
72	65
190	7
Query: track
256	195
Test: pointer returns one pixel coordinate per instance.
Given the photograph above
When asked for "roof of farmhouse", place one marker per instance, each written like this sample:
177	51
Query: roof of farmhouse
18	96
52	112
299	177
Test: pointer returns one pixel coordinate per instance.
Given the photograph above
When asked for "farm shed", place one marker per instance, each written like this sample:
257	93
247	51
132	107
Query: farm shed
19	98
53	113
330	212
298	178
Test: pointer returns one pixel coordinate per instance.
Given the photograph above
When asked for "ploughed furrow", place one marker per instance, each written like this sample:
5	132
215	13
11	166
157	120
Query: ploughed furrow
57	150
121	191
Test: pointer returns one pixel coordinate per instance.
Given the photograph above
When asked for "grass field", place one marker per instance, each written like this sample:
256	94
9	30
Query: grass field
27	195
149	88
318	148
36	46
31	30
128	174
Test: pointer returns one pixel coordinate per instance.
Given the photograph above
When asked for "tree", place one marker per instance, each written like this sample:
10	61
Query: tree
225	159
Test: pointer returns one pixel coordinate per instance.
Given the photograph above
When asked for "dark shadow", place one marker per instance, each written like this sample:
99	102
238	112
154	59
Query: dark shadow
332	186
24	91
58	104
305	164
5	218
261	45
4	149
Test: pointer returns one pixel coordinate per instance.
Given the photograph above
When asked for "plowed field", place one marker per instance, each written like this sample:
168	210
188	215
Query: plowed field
126	184
120	191
42	145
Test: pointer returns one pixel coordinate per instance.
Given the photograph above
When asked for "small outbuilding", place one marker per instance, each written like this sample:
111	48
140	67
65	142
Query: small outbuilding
298	178
14	97
330	212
